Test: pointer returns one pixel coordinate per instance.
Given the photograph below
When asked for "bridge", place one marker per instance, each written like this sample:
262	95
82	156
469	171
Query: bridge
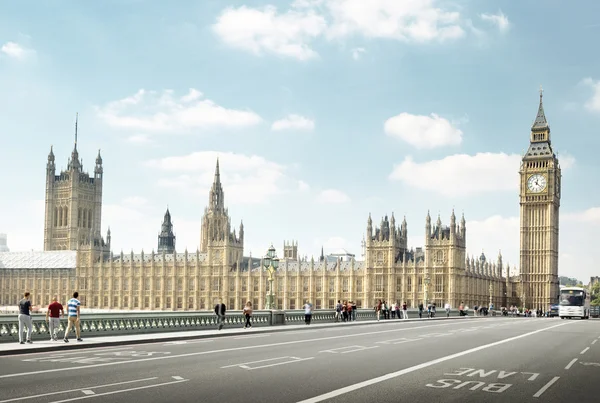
461	359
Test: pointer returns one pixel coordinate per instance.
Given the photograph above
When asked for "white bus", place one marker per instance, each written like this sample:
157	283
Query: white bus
574	302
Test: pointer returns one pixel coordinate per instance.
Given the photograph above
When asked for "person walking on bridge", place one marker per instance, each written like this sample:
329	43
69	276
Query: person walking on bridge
53	314
25	318
73	308
248	314
220	311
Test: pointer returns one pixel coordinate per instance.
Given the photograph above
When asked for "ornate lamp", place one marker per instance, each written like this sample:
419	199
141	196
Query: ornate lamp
271	263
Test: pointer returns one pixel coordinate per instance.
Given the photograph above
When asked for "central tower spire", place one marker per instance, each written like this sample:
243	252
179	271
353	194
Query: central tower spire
217	198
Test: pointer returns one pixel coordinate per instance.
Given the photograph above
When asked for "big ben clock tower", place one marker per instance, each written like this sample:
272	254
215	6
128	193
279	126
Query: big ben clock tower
540	202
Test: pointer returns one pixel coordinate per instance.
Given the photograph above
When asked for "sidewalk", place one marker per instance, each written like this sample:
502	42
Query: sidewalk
14	348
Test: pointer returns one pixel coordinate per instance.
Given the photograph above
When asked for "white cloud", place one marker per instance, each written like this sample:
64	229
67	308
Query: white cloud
423	132
333	196
248	179
135	201
153	112
357	52
293	122
292	33
265	30
16	51
589	216
494	234
303	186
139	139
500	20
464	175
593	104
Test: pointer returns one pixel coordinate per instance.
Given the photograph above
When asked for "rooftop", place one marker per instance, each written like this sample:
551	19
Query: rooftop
38	260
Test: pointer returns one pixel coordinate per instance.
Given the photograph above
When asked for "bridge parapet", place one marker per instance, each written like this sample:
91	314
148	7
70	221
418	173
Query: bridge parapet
118	324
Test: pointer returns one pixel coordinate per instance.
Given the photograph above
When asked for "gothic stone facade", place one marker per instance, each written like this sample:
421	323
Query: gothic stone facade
79	259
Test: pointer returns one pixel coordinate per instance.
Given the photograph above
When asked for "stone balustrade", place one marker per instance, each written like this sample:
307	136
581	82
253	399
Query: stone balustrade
117	324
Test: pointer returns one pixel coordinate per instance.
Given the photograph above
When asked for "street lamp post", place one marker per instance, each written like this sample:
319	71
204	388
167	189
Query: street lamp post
271	263
491	290
427	280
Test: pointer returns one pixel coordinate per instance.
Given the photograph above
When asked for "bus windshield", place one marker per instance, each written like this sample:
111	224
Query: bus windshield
571	298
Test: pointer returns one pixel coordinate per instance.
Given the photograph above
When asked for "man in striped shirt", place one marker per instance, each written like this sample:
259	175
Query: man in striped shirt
73	311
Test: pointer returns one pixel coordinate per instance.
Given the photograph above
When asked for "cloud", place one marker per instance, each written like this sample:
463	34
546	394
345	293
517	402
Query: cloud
464	175
494	234
152	112
593	104
589	216
16	51
293	122
264	30
248	179
303	186
357	52
293	32
423	132
139	139
500	20
333	196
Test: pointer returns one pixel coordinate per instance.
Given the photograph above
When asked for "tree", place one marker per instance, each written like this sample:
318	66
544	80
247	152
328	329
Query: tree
595	294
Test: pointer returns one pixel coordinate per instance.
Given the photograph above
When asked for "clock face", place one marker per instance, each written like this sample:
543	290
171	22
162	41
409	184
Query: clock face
536	183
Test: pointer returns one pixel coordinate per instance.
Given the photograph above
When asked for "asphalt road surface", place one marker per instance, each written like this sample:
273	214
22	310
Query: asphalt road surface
464	360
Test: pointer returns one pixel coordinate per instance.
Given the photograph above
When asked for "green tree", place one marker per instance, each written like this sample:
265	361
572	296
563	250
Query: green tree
595	294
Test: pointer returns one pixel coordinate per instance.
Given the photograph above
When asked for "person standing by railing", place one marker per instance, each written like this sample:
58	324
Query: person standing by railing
25	318
53	314
220	310
73	309
307	312
248	314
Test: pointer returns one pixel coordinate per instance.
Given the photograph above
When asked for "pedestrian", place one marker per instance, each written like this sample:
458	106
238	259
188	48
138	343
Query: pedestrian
25	318
421	311
220	310
73	320
404	310
248	314
378	310
307	312
447	310
53	314
353	311
338	311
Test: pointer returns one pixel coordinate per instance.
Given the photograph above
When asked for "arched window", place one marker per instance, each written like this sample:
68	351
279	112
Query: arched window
79	217
66	221
56	216
89	218
60	216
84	218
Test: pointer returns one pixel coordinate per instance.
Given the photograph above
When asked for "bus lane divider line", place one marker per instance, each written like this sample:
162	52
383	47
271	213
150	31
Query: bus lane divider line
546	386
569	365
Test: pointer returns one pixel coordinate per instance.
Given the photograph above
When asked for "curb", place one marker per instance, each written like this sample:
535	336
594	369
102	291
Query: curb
272	329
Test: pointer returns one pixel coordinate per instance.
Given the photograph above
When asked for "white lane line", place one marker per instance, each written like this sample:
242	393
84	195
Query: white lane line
295	359
77	390
360	385
174	343
573	361
88	392
594	342
347	349
585	350
546	386
179	378
81	351
254	362
120	391
226	350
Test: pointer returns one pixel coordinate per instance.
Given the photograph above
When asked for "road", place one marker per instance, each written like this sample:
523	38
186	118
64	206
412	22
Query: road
464	360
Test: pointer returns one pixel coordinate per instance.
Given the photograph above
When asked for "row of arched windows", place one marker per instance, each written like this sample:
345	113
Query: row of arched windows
61	217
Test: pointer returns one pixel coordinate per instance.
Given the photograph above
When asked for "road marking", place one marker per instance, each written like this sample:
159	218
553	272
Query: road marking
584	350
245	364
594	342
120	391
573	361
596	364
546	386
364	384
77	390
81	351
348	349
226	350
398	341
88	392
171	343
179	378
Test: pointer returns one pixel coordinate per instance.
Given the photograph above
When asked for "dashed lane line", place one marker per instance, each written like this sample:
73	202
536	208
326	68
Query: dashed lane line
584	350
569	365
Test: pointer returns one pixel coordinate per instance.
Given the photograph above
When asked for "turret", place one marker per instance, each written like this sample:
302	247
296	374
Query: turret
428	225
98	169
404	228
50	167
166	237
369	228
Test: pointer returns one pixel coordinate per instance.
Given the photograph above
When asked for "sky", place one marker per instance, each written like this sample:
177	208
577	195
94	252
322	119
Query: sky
320	112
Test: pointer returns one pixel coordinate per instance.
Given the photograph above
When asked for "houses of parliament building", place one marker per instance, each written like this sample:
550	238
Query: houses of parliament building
77	257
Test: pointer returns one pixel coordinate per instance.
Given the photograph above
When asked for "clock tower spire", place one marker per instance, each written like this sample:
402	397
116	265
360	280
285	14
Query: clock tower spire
540	177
